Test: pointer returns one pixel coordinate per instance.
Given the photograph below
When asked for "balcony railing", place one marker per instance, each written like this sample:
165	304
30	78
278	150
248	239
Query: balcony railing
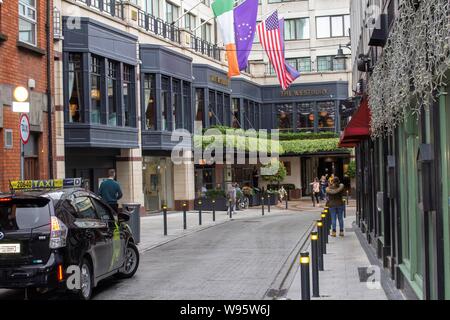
155	25
205	47
112	7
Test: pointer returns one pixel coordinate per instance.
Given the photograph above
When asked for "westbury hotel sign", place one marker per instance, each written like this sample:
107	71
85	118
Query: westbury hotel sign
305	92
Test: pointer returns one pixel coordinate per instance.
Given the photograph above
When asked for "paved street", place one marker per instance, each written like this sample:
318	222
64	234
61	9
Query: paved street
239	259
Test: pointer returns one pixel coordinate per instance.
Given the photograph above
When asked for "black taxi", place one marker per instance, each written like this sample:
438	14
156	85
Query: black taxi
56	235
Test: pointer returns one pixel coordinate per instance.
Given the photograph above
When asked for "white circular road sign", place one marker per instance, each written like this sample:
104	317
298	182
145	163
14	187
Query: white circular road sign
24	128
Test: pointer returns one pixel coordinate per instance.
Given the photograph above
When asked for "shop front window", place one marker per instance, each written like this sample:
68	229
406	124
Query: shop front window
165	125
96	96
150	101
285	117
326	115
128	95
305	117
236	121
212	108
220	106
112	93
187	106
226	110
75	76
200	105
176	105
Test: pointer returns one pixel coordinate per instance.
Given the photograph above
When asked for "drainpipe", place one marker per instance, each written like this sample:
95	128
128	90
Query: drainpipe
49	91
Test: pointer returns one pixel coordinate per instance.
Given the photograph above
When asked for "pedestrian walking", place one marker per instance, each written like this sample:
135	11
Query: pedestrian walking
110	190
336	204
323	187
315	191
232	195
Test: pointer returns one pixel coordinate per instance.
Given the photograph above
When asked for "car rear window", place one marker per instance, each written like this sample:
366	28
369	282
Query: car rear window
19	214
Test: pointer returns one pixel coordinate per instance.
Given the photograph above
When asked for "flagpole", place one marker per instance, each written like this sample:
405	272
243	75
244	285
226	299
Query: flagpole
270	12
198	3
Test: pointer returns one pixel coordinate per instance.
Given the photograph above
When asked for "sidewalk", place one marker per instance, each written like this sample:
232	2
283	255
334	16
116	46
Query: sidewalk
152	226
346	270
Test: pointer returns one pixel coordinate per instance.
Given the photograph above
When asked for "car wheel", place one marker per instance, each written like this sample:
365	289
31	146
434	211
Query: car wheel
86	281
131	261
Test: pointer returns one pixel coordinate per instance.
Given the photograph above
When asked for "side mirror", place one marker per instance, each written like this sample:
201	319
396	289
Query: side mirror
123	217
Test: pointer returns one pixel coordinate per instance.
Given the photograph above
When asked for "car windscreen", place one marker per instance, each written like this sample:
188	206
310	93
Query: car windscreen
18	214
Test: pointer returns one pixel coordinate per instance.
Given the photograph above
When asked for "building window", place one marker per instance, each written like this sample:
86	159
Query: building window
177	119
285	117
128	94
96	96
236	123
328	63
75	90
220	106
189	21
165	125
8	139
152	7
171	12
150	101
111	81
226	110
212	108
206	31
187	106
300	64
107	6
95	4
333	26
200	105
296	29
326	115
305	116
27	21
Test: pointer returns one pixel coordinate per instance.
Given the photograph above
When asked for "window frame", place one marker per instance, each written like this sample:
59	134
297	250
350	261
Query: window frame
26	18
345	33
296	21
174	9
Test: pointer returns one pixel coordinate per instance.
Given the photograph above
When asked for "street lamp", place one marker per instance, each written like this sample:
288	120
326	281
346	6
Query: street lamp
341	57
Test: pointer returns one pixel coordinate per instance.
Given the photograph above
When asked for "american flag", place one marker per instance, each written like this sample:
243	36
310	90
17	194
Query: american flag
272	41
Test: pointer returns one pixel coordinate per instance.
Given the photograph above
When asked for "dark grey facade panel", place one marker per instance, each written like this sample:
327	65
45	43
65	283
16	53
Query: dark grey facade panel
100	39
242	88
87	135
158	59
157	140
206	76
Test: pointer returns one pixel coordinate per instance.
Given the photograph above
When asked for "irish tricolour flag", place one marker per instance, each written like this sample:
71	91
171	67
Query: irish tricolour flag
223	10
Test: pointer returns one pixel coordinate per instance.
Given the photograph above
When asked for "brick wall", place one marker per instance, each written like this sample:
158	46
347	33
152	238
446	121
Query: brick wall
17	65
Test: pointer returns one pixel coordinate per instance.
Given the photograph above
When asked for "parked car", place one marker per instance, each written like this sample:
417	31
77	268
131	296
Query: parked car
45	230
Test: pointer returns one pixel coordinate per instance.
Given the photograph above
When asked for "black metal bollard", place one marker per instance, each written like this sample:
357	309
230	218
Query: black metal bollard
286	202
230	201
315	263
304	275
319	225
324	238
268	203
326	226
184	216
262	207
214	209
345	206
165	219
200	212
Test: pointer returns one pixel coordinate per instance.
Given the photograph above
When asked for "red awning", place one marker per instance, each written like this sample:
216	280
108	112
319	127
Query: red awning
358	128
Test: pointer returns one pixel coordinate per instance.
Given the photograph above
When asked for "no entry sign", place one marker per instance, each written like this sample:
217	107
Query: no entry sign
24	128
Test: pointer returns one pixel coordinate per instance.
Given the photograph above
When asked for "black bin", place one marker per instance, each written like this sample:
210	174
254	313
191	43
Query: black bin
135	219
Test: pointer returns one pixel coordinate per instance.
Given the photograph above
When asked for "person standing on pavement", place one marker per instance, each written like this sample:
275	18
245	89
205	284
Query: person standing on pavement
336	204
110	190
315	191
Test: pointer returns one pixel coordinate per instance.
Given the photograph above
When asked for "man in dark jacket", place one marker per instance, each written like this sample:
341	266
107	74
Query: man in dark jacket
336	205
110	190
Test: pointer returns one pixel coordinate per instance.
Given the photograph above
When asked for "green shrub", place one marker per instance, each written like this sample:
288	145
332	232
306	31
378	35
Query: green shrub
215	193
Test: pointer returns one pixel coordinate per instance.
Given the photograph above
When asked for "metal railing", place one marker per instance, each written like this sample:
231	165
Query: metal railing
111	7
205	47
158	26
